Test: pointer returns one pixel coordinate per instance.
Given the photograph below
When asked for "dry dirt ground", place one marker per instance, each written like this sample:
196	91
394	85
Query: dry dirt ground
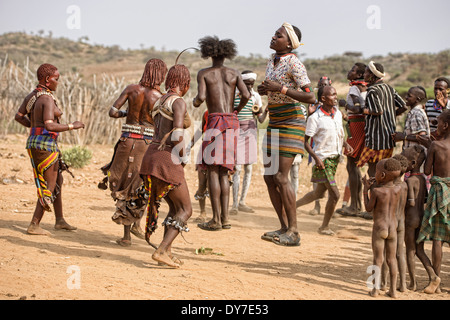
88	264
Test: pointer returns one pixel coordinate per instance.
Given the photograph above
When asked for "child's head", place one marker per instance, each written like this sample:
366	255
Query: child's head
327	95
387	170
415	96
324	81
212	47
443	123
356	72
403	162
415	156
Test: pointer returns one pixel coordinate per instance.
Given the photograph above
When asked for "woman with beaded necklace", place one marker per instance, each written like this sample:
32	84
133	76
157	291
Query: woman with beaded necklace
40	112
286	84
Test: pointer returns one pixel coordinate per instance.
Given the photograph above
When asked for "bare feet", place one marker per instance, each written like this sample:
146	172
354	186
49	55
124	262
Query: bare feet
123	242
412	285
326	231
392	293
165	259
433	286
201	218
35	229
63	225
374	293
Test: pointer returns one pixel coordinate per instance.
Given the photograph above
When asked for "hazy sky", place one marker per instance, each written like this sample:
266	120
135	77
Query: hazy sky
329	26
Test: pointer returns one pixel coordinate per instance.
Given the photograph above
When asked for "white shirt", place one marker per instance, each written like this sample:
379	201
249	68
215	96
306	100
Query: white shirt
327	133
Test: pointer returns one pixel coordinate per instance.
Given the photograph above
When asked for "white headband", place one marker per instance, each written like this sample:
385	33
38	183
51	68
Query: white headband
249	76
292	35
375	71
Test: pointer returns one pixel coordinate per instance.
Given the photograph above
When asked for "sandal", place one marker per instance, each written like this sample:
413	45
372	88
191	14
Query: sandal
284	239
123	243
365	215
208	226
347	212
268	236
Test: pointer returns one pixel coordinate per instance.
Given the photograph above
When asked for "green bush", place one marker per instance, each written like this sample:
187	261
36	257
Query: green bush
77	157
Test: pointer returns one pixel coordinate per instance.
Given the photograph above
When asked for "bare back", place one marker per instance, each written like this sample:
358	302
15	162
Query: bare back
220	85
140	104
437	162
385	209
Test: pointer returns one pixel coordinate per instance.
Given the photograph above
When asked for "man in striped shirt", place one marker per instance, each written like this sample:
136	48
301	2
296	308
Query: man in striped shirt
382	106
434	107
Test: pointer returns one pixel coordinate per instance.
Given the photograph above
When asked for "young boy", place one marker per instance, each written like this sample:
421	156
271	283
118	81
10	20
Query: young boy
436	221
383	202
417	194
325	127
400	215
217	85
416	122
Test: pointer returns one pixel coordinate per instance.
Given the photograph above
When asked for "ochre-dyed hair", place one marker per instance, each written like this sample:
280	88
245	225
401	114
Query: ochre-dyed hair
45	70
154	73
403	161
178	76
212	47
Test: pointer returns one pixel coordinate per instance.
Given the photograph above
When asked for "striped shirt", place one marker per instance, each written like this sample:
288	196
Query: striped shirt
246	113
381	99
433	110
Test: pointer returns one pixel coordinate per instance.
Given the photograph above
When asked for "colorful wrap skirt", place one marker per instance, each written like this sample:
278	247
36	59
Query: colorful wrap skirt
372	156
327	174
43	151
355	133
285	134
436	219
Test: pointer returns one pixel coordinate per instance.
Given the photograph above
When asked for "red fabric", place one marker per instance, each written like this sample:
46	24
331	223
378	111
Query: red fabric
220	140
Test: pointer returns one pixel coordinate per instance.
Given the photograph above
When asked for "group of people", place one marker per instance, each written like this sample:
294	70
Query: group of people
149	157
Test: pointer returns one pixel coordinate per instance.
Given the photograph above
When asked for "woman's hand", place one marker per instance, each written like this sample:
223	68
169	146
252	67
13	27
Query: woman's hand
269	85
348	149
78	125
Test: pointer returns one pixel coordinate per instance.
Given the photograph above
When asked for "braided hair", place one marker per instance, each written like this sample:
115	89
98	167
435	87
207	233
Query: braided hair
154	73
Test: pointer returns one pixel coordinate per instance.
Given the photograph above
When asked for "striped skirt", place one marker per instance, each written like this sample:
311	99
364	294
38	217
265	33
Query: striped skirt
286	130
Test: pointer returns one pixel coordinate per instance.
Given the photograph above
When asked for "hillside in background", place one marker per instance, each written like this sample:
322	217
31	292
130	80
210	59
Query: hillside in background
404	70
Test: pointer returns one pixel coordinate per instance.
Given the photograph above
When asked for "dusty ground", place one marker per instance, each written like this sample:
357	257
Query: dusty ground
243	267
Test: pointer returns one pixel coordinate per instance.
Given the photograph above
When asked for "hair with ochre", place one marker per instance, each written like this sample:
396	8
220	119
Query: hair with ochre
178	76
154	73
45	70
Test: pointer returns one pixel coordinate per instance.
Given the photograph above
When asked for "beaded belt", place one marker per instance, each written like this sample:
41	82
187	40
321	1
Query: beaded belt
137	130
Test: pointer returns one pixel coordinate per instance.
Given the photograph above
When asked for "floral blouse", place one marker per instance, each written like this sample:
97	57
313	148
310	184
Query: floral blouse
290	72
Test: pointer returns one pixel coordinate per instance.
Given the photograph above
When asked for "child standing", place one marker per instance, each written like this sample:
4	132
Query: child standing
417	194
383	202
416	121
436	221
325	127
